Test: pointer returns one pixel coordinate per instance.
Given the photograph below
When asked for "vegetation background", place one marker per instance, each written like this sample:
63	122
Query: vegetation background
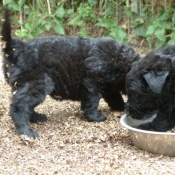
137	22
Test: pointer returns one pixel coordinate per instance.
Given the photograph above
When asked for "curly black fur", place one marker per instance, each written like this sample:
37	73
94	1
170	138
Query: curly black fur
72	68
150	86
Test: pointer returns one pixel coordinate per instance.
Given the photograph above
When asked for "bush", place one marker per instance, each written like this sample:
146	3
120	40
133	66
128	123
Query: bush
92	18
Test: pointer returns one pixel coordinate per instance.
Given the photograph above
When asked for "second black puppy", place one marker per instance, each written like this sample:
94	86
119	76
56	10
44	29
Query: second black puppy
150	86
66	68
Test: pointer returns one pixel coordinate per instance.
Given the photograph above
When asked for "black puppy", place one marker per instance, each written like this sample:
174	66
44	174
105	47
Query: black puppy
72	68
150	86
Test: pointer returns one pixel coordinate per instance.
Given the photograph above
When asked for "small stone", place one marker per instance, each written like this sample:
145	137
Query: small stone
134	157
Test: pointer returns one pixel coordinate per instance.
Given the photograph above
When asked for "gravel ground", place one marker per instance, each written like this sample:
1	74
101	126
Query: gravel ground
68	144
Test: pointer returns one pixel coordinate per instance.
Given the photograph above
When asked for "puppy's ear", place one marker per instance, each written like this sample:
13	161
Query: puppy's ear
156	80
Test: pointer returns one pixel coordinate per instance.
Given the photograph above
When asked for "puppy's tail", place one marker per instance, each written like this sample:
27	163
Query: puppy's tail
6	32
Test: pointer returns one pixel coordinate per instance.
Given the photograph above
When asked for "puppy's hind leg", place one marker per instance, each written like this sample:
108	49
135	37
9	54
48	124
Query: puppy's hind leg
35	117
115	101
20	113
27	97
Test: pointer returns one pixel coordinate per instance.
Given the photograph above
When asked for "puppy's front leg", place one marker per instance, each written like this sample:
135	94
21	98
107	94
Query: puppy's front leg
115	101
90	97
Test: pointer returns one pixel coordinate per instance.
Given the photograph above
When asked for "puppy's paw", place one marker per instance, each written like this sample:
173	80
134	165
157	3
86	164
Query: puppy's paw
38	118
28	132
98	117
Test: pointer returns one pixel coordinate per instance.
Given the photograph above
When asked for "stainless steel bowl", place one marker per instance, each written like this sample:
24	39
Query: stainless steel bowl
154	142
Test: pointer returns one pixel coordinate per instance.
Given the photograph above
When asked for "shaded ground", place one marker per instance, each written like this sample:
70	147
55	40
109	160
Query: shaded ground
68	144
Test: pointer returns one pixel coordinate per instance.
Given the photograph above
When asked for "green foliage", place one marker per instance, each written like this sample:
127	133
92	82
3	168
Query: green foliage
37	18
157	29
83	15
86	14
112	29
92	18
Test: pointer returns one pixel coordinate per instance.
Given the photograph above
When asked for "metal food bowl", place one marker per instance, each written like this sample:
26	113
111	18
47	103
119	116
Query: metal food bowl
150	141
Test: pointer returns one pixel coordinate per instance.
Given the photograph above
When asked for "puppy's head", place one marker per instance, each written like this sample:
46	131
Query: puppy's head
145	84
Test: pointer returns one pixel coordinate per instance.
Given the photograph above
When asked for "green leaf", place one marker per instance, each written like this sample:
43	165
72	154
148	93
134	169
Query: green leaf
128	11
29	36
70	11
150	30
27	9
21	33
58	28
83	32
21	2
48	26
39	21
172	38
32	15
20	22
73	22
92	2
171	41
35	34
159	43
14	6
165	16
76	22
106	23
27	26
160	34
43	22
140	30
60	12
166	24
118	33
8	1
39	31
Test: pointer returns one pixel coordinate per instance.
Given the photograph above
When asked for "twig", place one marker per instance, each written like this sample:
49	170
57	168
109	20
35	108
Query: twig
117	12
165	5
73	15
21	19
48	3
129	21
